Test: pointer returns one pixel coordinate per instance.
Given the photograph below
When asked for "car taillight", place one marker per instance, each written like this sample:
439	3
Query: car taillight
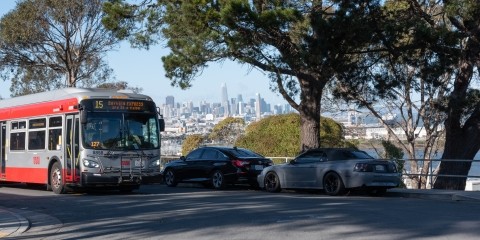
392	168
239	163
362	167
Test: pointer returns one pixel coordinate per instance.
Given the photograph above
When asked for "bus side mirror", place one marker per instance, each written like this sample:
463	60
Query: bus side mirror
83	117
161	123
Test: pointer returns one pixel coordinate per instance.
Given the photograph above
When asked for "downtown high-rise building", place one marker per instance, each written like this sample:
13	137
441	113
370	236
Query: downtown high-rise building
258	109
170	101
225	103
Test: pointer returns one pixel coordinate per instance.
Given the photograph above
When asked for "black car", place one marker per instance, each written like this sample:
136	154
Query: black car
216	167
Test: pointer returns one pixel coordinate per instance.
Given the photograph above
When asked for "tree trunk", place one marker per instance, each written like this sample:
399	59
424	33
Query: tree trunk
461	146
309	110
461	142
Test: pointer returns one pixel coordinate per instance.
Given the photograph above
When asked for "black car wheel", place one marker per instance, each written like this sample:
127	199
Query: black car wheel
218	180
170	179
333	184
272	182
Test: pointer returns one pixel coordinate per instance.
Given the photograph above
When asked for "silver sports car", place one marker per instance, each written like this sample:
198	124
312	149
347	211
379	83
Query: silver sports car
332	169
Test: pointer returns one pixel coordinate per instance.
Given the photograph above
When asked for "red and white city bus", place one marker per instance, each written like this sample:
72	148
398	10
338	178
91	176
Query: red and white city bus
80	138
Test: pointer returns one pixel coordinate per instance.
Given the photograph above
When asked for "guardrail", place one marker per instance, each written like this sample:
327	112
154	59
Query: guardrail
432	164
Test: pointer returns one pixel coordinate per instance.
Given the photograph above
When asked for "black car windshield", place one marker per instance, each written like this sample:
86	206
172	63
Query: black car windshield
120	131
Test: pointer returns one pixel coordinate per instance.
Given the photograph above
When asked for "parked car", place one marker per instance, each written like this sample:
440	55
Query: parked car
216	167
332	169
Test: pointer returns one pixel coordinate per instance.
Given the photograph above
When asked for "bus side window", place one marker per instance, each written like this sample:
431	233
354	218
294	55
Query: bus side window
55	133
36	133
17	135
17	141
36	140
55	139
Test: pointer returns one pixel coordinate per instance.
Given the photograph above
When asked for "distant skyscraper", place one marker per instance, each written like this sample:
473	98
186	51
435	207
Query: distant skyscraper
225	103
233	106
239	98
241	108
258	104
170	101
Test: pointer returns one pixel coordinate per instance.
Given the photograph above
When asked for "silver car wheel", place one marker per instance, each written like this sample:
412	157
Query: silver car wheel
333	184
272	182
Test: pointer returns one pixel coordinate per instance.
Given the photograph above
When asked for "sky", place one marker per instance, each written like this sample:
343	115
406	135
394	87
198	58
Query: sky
144	69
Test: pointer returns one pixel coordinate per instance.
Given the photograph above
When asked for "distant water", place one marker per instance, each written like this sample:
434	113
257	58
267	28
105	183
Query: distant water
474	170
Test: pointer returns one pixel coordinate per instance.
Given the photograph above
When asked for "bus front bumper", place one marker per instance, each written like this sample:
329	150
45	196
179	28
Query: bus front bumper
95	179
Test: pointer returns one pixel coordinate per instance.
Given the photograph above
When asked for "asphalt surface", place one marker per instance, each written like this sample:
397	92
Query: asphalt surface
14	222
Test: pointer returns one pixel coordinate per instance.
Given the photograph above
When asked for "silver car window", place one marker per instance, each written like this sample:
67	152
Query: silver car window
312	157
350	155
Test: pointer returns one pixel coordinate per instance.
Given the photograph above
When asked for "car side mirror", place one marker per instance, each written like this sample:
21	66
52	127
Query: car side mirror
293	162
183	158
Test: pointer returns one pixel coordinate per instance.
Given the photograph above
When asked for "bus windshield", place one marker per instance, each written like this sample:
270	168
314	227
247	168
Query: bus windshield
120	131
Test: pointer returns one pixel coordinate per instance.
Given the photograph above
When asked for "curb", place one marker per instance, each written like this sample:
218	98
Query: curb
444	196
19	224
459	197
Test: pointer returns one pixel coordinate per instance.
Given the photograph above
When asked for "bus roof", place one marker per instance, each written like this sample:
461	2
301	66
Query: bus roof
66	93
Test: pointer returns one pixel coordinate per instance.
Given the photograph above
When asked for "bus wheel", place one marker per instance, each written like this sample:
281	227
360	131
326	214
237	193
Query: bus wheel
56	182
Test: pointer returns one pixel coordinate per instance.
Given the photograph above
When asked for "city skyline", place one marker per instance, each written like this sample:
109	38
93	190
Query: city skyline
225	107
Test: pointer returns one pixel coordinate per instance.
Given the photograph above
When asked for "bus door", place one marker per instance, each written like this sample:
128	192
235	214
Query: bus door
72	154
3	142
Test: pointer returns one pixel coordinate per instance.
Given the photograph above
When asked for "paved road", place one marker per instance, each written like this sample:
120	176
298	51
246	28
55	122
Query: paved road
190	212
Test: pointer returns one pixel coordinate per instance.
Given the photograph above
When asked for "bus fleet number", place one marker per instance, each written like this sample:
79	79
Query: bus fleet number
36	160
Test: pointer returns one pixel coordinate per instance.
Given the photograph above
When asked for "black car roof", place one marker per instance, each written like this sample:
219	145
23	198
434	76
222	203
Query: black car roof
223	147
227	150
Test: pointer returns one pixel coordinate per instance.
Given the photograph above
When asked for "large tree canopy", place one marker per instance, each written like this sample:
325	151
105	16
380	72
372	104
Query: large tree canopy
46	44
407	79
427	68
301	44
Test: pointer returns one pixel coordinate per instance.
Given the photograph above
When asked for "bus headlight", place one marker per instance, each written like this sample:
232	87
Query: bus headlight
90	163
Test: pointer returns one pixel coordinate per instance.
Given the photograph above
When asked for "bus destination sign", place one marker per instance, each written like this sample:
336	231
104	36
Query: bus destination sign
121	105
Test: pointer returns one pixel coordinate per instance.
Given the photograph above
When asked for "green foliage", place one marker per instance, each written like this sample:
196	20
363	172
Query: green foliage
120	86
393	152
227	130
273	136
192	142
331	133
33	80
48	44
279	135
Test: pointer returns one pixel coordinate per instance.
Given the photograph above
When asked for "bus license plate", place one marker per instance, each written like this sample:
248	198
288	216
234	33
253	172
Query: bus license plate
125	162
